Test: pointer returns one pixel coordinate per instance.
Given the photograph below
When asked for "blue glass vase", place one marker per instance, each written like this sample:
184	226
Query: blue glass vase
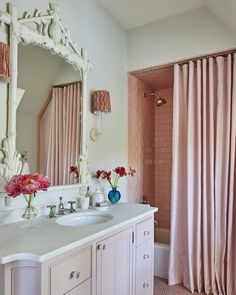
114	196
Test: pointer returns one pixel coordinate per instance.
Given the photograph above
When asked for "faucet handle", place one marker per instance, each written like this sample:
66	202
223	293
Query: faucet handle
51	213
72	209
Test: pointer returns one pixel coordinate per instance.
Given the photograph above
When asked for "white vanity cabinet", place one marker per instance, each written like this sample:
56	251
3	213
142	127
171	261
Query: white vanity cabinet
114	264
117	261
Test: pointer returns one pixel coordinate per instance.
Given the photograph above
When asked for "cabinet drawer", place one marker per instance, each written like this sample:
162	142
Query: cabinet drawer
144	231
143	285
71	272
144	272
83	289
144	258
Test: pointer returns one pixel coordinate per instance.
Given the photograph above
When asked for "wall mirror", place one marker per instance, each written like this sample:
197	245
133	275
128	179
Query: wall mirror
48	117
46	130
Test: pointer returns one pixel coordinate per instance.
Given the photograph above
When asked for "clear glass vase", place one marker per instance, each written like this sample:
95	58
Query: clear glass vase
29	211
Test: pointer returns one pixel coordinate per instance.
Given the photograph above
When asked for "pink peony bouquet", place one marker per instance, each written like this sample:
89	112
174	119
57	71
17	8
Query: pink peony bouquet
26	184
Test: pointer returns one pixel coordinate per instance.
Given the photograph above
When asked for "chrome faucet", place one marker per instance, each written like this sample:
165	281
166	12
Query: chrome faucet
61	208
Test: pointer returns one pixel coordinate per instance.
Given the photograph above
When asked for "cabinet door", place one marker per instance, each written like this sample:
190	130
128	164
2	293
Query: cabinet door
25	280
114	264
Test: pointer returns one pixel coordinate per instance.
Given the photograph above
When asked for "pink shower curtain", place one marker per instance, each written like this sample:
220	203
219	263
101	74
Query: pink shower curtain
60	141
203	217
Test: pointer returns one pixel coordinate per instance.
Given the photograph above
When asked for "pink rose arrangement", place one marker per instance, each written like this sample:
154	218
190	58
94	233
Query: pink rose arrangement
28	185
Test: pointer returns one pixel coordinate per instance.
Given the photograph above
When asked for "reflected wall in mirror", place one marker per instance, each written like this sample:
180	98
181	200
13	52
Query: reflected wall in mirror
49	115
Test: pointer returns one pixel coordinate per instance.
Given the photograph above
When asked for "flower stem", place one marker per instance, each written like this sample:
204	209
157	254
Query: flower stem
110	182
29	208
116	180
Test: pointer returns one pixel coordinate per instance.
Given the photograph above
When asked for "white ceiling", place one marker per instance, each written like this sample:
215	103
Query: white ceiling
225	10
134	13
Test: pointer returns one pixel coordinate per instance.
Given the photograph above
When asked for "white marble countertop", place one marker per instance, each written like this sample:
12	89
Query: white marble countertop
44	239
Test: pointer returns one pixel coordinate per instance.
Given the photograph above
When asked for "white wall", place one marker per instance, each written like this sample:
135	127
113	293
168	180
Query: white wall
3	110
3	94
67	75
27	137
105	42
179	37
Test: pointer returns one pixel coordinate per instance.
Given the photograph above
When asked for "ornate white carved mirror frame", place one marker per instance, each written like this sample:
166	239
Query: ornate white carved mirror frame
47	31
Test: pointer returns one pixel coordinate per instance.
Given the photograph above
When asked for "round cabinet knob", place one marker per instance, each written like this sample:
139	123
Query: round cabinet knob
72	275
146	233
78	274
104	247
145	285
99	246
146	256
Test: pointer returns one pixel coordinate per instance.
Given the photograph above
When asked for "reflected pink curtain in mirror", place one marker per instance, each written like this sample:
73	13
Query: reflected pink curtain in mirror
60	128
4	62
203	220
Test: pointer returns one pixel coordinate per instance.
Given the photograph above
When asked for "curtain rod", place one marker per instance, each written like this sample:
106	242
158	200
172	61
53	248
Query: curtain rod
184	61
66	84
49	97
224	55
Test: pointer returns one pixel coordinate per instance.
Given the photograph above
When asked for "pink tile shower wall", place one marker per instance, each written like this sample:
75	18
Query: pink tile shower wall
150	148
163	157
135	147
141	141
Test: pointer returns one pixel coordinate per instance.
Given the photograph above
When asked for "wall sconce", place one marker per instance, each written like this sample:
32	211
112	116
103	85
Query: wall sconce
4	62
100	104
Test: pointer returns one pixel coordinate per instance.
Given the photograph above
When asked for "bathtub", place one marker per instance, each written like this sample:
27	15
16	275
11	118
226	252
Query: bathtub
161	252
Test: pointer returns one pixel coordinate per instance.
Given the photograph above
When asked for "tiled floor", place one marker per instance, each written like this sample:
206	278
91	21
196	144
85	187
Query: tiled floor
161	288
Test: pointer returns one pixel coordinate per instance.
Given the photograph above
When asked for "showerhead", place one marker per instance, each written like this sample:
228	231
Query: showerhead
159	100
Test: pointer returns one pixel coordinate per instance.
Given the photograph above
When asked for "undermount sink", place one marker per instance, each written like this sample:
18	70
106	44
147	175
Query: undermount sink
84	218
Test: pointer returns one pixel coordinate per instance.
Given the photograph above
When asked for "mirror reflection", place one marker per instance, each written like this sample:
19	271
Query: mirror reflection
48	115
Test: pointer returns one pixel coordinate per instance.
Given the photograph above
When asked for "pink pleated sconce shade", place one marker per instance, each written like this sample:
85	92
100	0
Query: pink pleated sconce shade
100	104
4	62
101	101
